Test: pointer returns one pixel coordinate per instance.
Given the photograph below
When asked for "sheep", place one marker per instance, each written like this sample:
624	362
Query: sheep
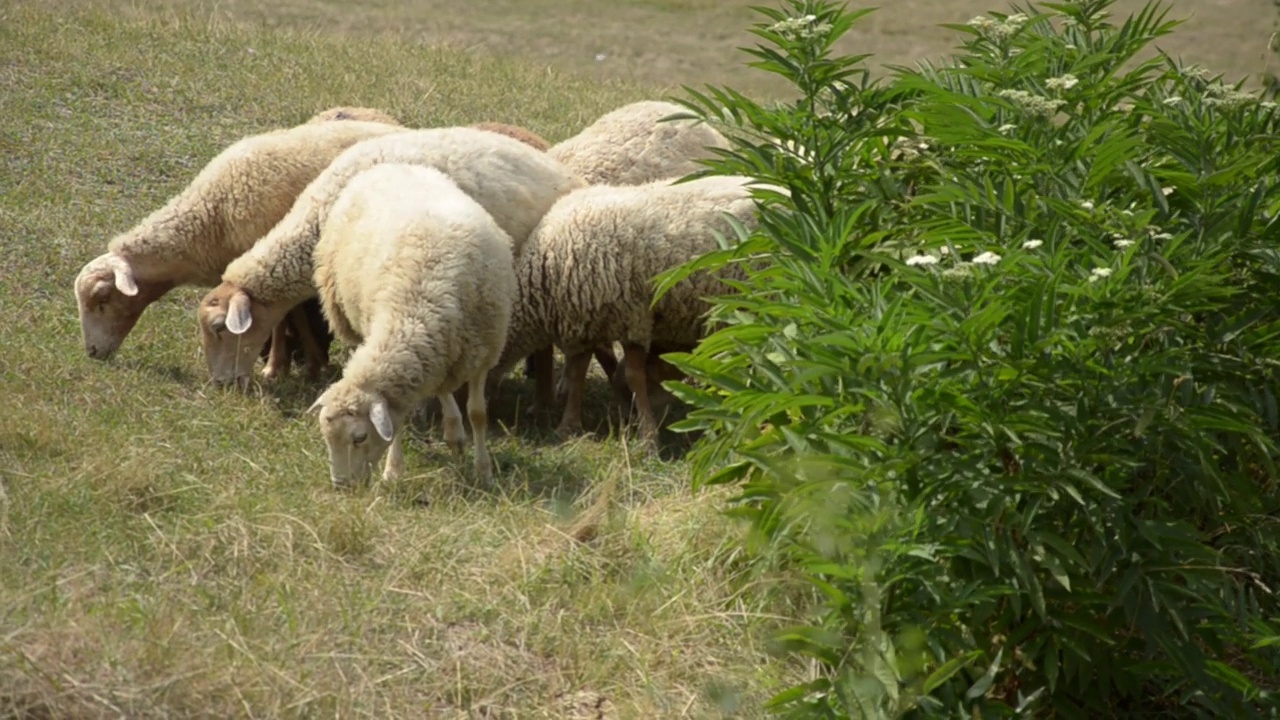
419	278
239	195
510	179
585	276
528	137
631	145
362	114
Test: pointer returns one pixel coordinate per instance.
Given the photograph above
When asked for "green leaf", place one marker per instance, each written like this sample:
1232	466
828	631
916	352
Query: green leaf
948	669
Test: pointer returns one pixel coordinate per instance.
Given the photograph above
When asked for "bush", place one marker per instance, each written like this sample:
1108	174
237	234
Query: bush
1002	379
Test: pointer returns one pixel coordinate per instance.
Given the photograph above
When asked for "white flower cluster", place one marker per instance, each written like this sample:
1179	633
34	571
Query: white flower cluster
1032	103
1219	95
997	30
800	28
1065	82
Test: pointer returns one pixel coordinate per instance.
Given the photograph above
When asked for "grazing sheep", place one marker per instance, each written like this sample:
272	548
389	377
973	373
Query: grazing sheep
528	137
586	276
418	277
512	181
362	114
238	196
631	145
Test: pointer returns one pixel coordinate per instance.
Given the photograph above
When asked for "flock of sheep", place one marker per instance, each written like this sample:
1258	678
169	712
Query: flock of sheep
442	257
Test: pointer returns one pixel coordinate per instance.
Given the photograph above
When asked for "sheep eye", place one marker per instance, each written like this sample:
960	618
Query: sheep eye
359	437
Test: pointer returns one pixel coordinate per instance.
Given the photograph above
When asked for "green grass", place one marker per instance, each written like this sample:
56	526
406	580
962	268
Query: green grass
171	550
665	43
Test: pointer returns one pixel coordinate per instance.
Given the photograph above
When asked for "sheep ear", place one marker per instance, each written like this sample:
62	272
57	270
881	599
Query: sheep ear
239	317
380	416
123	275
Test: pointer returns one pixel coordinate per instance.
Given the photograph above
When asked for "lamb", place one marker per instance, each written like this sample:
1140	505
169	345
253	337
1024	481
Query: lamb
418	276
631	145
585	276
239	195
362	114
512	181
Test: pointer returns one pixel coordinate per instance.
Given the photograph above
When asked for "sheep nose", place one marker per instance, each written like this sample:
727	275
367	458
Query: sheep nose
96	354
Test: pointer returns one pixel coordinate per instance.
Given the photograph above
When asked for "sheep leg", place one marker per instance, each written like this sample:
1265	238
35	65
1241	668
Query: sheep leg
479	417
544	378
604	355
575	374
395	459
636	360
317	358
455	436
618	382
279	360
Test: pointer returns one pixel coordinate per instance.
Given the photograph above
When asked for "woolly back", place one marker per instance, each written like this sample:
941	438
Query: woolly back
240	195
512	181
632	145
416	272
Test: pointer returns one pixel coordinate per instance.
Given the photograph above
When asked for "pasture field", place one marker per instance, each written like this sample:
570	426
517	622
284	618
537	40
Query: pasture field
167	549
666	43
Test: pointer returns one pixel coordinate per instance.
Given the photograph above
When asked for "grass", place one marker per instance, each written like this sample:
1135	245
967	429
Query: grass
171	550
664	43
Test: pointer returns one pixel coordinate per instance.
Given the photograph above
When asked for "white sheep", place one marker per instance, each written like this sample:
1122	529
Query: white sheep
238	196
514	182
524	135
363	114
632	145
418	277
586	276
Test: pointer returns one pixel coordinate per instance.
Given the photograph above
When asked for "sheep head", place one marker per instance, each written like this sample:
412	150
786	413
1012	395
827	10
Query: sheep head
358	426
233	330
111	299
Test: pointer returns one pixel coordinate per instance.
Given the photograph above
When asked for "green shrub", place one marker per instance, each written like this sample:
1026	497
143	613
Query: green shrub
1002	379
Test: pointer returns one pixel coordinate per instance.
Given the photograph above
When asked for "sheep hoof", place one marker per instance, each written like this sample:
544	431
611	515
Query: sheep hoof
457	447
568	430
484	471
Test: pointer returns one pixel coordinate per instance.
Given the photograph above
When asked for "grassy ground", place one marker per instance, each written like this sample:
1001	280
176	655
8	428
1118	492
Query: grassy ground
665	43
170	550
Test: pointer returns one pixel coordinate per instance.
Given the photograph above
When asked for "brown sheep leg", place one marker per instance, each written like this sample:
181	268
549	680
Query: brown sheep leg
281	356
608	363
575	375
317	359
635	358
544	378
618	382
604	356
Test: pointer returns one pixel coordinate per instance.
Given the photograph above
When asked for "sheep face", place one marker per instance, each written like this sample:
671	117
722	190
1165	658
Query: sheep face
111	300
358	428
233	330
